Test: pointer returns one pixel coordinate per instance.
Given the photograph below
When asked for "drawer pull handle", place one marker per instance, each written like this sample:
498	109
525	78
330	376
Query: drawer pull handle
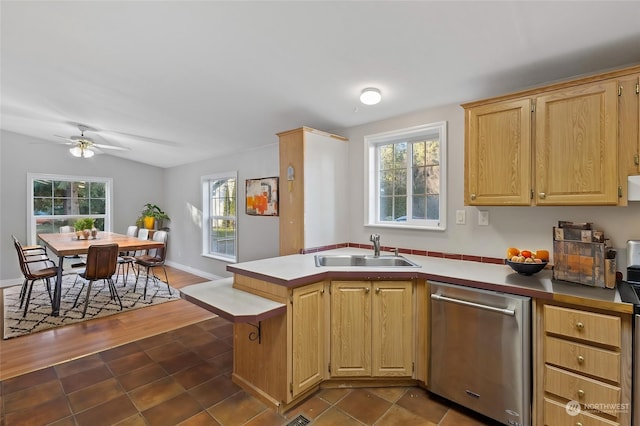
580	359
580	393
473	196
579	325
366	290
578	424
542	195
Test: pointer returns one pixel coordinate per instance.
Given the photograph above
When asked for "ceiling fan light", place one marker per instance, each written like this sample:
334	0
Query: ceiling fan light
79	151
76	151
370	96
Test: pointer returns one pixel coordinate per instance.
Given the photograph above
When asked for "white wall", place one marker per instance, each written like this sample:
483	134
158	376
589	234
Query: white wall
134	184
258	235
523	227
177	190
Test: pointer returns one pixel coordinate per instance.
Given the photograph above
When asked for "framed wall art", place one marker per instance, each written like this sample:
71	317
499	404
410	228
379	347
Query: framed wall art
262	196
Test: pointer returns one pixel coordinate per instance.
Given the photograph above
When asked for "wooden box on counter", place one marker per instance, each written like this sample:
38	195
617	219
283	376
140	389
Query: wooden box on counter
584	263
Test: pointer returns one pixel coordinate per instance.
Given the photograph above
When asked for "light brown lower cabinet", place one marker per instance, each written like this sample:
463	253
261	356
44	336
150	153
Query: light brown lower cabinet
372	329
288	359
371	335
308	318
583	369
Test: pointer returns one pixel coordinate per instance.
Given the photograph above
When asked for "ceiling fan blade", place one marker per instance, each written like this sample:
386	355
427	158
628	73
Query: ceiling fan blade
68	141
102	146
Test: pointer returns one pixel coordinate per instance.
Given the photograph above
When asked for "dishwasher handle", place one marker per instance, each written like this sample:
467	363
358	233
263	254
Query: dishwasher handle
504	311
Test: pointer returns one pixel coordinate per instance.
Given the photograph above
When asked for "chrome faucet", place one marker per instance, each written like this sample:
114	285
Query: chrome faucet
375	239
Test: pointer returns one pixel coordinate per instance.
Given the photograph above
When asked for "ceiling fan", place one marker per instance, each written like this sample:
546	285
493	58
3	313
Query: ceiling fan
84	146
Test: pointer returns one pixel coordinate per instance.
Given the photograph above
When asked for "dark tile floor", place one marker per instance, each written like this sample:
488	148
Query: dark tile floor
183	377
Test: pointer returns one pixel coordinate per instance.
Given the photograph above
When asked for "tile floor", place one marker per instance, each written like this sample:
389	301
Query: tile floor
182	377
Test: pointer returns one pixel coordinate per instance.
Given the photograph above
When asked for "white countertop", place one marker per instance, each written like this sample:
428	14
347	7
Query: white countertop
300	269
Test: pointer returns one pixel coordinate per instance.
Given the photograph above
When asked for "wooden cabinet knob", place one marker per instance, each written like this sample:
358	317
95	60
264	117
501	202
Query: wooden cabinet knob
367	289
542	195
578	424
377	290
580	393
579	325
473	196
580	359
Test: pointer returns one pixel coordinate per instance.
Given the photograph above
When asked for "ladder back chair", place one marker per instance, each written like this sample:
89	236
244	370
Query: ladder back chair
155	258
126	259
35	265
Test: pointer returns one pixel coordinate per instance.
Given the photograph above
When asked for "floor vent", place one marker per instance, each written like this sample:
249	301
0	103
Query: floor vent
299	421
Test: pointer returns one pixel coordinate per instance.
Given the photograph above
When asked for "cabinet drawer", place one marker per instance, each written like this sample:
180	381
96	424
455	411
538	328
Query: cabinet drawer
589	326
555	414
582	389
582	358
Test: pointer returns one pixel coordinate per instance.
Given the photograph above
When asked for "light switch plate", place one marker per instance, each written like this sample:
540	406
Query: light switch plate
483	218
461	217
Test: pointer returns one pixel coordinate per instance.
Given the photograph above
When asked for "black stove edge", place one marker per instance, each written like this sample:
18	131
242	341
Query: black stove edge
629	294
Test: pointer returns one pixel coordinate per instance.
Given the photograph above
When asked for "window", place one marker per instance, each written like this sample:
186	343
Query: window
219	216
406	177
56	201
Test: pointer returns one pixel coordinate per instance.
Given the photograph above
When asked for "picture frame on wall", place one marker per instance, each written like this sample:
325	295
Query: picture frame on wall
262	196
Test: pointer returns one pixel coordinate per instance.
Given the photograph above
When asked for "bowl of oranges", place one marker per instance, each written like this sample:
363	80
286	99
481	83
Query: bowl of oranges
527	262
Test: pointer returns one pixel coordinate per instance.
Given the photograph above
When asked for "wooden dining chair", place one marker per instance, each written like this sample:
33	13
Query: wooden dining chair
35	265
154	258
101	265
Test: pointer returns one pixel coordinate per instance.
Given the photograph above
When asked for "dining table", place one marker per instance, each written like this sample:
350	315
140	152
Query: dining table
64	244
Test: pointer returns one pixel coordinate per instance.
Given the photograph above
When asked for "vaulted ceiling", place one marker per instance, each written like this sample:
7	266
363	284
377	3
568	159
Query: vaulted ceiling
177	81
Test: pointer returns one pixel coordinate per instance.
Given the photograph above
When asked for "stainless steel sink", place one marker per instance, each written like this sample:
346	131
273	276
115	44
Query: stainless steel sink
364	260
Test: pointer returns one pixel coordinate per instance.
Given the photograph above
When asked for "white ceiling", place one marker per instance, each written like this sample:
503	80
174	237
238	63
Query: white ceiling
178	81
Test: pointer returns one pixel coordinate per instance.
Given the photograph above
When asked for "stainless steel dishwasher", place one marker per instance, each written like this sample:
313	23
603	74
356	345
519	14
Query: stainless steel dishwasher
480	351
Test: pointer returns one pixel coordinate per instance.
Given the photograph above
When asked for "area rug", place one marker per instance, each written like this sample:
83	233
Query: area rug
39	316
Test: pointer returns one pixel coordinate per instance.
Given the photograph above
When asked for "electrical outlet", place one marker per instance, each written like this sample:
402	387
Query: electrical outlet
483	218
461	218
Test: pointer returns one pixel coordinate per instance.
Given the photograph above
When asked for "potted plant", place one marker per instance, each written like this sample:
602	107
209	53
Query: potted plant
149	215
84	227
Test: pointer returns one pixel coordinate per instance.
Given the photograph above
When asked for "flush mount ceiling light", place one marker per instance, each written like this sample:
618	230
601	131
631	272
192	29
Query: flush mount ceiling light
370	96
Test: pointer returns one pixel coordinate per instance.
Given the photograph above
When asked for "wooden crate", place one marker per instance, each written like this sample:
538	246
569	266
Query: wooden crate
584	263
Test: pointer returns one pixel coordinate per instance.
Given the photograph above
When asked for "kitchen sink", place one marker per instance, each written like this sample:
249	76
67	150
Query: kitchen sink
364	260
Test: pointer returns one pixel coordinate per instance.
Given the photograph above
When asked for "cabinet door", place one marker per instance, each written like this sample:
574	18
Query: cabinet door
576	146
498	154
392	328
350	328
308	313
628	131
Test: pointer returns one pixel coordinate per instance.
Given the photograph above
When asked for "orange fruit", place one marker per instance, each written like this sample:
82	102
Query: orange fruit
542	255
512	251
525	253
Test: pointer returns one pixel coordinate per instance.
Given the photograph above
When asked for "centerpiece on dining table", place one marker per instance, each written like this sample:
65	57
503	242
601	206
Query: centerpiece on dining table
85	228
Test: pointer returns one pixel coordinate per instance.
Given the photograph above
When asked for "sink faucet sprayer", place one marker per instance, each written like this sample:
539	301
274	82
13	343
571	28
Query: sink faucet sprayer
375	239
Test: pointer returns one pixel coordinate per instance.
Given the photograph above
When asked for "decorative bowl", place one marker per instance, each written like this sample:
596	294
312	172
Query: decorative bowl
526	268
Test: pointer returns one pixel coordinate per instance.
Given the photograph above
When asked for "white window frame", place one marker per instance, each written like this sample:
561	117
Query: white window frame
31	223
372	183
207	216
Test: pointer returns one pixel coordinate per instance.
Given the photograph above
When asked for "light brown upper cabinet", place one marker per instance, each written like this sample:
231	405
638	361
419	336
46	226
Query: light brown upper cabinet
570	143
629	130
498	154
576	146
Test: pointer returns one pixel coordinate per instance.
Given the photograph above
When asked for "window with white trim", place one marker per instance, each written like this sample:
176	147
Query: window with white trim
55	201
219	216
406	174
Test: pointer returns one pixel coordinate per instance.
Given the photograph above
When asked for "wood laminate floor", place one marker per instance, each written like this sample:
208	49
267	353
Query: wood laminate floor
171	365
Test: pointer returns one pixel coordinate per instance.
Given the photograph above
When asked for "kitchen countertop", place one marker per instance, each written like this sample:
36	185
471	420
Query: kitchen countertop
300	269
